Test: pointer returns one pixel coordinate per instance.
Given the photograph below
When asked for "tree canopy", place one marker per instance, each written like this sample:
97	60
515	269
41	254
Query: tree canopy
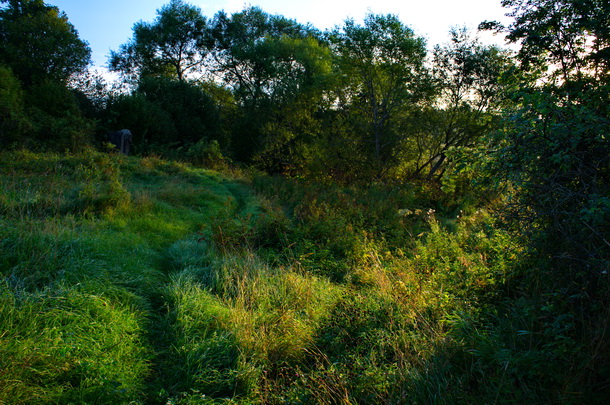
383	63
37	41
556	137
174	45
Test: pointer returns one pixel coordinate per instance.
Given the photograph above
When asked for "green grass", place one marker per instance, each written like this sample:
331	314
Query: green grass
85	242
138	280
76	344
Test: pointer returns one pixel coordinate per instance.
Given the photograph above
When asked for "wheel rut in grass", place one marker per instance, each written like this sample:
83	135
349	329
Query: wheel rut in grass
169	369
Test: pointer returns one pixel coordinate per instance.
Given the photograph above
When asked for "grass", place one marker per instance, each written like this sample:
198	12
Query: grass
138	280
71	344
84	250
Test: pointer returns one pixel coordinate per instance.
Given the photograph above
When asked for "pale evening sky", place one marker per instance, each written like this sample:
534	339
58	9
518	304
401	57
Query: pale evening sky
107	24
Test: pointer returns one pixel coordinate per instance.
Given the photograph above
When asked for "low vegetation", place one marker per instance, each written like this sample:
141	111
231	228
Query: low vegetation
162	283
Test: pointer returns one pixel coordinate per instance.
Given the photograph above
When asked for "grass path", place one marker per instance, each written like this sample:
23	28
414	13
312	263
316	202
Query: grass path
89	244
161	329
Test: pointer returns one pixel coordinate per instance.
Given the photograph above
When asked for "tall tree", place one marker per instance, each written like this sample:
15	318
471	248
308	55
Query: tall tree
571	35
272	64
557	149
245	43
38	42
382	62
175	44
14	122
43	51
469	88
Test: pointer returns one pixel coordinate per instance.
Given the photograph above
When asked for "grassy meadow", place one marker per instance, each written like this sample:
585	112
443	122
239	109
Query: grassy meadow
130	280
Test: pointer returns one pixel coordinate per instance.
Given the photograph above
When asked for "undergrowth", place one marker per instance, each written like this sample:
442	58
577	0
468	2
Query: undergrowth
138	280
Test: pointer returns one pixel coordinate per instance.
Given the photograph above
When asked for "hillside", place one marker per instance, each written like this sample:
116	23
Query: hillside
137	280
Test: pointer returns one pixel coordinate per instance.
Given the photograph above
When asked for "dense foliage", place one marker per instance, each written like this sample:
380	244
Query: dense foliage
557	144
41	50
388	222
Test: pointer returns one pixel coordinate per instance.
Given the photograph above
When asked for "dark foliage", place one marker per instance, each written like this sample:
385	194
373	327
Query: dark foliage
165	114
38	42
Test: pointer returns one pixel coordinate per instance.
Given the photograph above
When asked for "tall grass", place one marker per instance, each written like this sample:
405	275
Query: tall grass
70	344
138	280
237	322
84	241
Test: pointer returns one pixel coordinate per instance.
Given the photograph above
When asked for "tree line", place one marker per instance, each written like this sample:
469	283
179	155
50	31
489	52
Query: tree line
359	102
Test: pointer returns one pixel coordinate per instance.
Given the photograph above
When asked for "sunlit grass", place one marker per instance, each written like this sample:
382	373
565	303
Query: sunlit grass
81	343
128	280
80	270
267	318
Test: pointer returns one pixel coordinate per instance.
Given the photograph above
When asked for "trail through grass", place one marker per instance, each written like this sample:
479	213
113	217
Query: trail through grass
143	281
86	257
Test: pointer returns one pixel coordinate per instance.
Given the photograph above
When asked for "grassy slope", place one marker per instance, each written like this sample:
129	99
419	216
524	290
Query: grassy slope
86	254
131	280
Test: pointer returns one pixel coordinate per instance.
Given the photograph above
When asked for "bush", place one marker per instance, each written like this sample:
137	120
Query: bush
102	190
207	154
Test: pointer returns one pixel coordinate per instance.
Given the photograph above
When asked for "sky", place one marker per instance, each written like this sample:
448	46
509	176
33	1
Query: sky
107	24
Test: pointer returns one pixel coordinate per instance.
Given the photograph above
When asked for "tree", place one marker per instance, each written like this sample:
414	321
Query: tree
58	122
38	42
13	120
165	115
190	108
43	50
174	45
275	68
469	87
300	67
382	63
571	35
243	50
556	143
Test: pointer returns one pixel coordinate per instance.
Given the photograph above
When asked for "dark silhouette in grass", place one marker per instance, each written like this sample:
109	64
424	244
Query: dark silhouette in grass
121	140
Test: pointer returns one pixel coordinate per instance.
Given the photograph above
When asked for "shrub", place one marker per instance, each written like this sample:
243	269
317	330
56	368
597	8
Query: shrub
207	154
102	190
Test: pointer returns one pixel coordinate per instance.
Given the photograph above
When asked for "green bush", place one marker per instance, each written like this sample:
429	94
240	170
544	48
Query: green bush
207	154
102	190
